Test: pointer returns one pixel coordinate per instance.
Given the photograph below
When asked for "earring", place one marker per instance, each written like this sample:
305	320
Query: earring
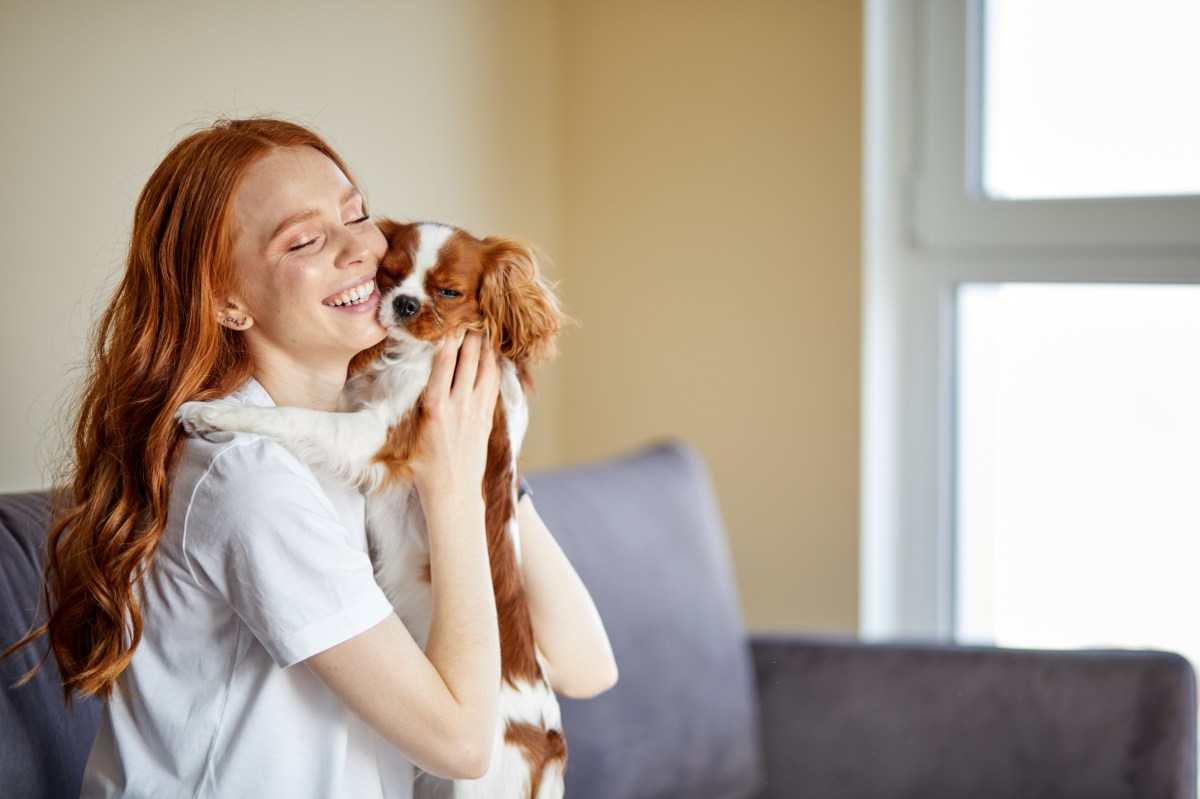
229	320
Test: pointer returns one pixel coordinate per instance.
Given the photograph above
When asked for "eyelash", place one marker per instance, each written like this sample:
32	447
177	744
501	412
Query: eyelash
302	245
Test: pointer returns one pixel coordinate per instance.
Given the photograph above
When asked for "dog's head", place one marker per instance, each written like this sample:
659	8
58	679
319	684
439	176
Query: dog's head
436	279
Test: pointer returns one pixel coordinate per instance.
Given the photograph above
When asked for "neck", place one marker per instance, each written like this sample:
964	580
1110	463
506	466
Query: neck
290	385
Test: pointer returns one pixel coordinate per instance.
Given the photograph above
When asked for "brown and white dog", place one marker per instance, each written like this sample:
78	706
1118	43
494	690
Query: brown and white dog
433	281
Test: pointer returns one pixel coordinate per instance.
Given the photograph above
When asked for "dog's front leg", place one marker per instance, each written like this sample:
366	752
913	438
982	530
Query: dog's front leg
340	445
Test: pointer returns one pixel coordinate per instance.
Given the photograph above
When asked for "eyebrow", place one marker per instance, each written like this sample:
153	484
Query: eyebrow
309	213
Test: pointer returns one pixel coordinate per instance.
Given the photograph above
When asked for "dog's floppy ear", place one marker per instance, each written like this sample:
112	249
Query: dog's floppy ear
401	236
520	312
389	227
401	240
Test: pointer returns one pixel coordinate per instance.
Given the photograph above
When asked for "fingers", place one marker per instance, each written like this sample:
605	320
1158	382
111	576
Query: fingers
487	377
463	366
468	361
442	375
460	402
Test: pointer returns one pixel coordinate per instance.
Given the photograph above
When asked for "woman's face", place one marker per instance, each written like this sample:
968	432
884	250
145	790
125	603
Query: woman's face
306	256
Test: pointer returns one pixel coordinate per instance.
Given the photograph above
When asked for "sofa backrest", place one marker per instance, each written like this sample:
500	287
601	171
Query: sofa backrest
645	534
848	720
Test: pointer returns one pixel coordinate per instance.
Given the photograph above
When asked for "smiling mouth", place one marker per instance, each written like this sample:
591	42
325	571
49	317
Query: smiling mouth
354	296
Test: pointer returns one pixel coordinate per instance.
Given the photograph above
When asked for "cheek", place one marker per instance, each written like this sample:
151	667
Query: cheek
465	312
430	325
284	292
426	325
255	284
376	243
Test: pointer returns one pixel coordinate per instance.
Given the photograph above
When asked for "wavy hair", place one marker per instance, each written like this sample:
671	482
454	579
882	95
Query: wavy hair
157	345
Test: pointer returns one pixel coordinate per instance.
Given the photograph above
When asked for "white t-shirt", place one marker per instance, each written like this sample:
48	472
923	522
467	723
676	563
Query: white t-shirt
261	565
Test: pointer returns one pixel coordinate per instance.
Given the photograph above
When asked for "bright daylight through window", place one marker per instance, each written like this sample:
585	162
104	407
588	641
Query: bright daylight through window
1090	98
1078	462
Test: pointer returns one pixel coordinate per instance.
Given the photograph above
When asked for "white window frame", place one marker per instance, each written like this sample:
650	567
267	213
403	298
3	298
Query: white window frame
926	229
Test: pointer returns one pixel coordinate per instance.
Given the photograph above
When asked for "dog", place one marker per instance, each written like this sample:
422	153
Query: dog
435	280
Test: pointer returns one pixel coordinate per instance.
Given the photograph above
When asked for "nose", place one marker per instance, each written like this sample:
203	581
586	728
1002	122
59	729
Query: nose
406	306
354	249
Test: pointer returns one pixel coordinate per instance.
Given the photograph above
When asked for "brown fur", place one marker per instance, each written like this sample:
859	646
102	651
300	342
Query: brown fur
540	748
403	443
517	660
503	295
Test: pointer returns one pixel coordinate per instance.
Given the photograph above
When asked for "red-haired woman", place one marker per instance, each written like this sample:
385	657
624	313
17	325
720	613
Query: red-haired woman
218	585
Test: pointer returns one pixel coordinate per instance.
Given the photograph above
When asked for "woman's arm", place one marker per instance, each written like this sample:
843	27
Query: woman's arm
566	625
439	706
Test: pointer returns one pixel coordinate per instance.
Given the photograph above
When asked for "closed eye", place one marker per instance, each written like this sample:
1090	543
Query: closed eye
449	293
302	245
309	242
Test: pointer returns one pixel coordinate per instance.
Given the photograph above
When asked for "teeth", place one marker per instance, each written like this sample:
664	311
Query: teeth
354	296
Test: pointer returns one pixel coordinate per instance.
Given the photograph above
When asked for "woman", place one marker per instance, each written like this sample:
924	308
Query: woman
216	583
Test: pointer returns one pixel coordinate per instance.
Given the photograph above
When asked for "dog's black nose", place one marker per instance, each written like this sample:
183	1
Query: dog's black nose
406	306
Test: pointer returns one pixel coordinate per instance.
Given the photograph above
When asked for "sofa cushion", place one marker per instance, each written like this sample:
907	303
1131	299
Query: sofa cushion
645	534
45	744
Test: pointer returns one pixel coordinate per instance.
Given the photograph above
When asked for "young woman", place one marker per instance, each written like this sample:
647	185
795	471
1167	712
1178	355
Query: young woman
220	587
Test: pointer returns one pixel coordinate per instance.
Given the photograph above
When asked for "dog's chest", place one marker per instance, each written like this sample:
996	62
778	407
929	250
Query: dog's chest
399	545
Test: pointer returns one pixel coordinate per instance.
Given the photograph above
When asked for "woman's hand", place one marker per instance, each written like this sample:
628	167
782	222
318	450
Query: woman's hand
459	403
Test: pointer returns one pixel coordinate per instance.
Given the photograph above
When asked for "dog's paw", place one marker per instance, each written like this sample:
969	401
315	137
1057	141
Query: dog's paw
199	417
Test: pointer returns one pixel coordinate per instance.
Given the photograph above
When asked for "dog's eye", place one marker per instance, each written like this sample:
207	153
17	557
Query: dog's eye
449	293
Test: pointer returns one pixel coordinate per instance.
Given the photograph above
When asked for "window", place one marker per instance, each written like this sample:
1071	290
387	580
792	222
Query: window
942	253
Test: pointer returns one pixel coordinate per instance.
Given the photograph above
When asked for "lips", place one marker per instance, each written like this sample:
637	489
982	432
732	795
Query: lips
356	295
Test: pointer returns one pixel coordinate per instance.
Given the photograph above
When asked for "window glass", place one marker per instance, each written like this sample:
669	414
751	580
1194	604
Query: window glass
1078	465
1090	98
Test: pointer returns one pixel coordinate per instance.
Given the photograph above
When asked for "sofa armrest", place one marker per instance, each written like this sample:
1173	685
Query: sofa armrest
846	719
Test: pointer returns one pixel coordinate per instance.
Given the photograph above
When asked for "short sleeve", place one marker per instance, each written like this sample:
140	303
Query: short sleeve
262	533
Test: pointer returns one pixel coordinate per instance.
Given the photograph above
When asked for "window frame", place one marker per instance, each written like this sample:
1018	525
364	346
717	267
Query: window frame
926	230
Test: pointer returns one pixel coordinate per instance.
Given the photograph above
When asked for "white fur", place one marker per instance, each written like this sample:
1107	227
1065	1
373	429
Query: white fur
433	237
342	445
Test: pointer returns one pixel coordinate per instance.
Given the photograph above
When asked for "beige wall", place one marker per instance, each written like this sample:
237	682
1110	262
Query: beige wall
436	109
711	245
691	165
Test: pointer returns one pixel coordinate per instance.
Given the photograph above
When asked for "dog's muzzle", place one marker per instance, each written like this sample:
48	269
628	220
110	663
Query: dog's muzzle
405	306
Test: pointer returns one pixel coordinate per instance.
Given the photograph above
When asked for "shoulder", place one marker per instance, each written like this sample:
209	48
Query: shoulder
242	469
241	503
232	489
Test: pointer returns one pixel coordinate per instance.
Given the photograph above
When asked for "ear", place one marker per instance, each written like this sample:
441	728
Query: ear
233	315
520	312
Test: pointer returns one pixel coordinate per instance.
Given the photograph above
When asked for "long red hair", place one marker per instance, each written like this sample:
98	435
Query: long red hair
157	345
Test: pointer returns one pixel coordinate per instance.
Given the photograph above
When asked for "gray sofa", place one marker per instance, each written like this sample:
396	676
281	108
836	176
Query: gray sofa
703	710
